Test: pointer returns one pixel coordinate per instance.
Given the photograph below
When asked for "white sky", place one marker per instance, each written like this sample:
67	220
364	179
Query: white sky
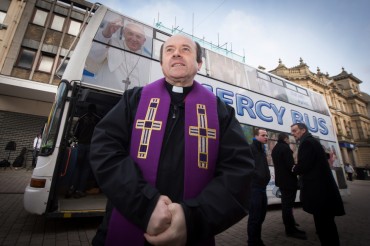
329	34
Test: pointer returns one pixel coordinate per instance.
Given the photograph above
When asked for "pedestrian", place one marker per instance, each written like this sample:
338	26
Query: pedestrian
176	171
261	178
36	149
319	192
287	181
349	171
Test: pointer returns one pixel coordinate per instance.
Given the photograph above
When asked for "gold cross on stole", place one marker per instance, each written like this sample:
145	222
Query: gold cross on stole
203	133
147	126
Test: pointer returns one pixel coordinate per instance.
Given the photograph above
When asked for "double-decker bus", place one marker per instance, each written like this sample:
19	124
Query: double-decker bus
115	53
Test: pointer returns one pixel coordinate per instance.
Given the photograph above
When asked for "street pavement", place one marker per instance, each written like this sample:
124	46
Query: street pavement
18	228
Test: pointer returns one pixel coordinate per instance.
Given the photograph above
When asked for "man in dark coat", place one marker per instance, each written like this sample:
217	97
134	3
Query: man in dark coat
319	193
83	131
153	200
286	180
258	203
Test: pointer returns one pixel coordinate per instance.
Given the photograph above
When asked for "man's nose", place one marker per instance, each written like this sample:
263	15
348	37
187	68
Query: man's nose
176	52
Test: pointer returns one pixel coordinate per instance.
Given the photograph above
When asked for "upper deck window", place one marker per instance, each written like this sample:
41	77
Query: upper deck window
277	81
263	76
291	87
302	91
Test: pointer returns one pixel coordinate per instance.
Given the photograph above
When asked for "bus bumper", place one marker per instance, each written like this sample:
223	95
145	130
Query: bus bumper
35	200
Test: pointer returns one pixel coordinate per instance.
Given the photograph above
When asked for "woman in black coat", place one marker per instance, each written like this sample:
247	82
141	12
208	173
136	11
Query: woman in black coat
319	192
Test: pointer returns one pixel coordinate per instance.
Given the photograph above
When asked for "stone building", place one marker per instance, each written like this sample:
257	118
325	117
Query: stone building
347	104
37	38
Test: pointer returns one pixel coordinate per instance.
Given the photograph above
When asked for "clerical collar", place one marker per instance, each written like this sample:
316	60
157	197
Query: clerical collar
177	95
177	89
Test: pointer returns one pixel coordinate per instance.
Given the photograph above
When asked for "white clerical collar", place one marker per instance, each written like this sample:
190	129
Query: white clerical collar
177	89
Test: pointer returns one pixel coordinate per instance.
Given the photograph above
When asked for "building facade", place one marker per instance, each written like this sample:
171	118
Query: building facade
37	38
347	104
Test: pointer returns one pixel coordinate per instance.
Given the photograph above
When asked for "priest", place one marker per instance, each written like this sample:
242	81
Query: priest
171	158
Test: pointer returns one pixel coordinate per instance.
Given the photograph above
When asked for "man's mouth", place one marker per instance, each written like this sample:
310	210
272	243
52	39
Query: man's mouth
178	65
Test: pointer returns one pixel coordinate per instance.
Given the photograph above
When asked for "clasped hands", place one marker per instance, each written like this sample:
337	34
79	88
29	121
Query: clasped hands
167	224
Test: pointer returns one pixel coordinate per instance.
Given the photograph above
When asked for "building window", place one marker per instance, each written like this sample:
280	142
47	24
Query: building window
62	67
74	27
46	64
4	6
2	16
26	58
40	17
57	23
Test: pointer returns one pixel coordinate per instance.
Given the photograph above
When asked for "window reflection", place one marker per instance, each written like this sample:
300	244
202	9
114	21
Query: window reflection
26	58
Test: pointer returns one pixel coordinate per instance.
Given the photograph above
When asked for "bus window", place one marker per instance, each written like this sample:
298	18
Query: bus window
263	76
277	81
52	127
291	87
302	91
157	48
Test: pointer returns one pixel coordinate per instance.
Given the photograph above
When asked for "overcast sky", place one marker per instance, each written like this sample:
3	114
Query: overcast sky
329	34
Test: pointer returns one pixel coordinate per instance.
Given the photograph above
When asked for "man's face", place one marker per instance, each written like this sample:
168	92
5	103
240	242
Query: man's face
296	132
179	63
134	37
262	136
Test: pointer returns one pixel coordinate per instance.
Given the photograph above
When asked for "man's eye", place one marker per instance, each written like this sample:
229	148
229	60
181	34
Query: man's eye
187	49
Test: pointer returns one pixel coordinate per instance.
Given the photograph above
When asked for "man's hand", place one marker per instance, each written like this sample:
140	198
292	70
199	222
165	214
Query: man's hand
161	217
112	27
176	234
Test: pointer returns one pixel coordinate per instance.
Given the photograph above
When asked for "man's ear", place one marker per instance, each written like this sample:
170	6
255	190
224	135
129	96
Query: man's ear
200	65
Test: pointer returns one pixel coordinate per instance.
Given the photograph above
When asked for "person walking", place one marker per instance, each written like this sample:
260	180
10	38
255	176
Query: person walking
319	192
286	180
349	171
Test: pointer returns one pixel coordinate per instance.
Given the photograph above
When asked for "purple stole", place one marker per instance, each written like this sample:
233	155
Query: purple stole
201	148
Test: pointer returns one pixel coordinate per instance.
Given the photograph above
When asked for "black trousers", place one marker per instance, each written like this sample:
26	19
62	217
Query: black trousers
326	229
349	176
287	203
257	214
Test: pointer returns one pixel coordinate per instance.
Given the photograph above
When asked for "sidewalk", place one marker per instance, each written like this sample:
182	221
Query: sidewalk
17	227
353	228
